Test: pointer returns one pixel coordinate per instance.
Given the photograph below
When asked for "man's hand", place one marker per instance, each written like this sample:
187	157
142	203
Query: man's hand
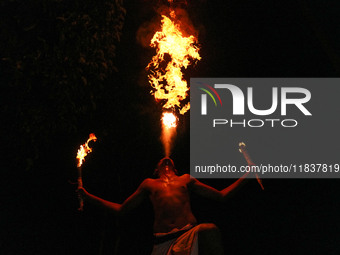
82	193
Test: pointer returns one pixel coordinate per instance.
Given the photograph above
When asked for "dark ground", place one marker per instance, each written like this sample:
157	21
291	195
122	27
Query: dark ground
238	39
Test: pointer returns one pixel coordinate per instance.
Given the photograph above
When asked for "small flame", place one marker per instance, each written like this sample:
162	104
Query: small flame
169	120
85	149
168	83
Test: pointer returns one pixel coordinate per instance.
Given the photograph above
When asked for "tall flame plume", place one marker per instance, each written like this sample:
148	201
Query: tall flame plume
174	52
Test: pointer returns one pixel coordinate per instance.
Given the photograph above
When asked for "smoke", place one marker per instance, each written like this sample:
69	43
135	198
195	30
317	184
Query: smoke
147	30
168	137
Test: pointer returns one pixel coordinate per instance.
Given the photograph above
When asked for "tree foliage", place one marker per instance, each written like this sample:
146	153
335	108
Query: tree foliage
56	59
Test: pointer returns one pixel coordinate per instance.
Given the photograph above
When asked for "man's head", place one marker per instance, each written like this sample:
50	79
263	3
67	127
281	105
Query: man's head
165	166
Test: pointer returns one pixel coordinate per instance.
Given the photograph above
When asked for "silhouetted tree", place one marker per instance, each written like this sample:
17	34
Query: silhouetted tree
56	57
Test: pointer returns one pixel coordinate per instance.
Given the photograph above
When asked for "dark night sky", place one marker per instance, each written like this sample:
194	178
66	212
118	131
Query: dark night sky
238	39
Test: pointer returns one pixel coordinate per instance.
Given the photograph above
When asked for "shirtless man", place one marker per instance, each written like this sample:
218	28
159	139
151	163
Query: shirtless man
174	221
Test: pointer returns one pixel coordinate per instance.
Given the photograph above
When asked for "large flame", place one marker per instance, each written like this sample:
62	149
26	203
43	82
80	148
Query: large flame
85	149
168	84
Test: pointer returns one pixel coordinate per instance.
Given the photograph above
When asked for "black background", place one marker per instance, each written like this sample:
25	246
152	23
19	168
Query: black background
238	39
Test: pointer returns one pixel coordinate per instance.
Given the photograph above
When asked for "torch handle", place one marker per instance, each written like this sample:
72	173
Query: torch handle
80	185
250	162
247	157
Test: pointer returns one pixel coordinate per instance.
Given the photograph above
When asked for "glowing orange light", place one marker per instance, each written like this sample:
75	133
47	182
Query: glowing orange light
85	149
168	84
169	120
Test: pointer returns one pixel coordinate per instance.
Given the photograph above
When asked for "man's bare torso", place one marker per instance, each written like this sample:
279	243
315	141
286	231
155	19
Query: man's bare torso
171	202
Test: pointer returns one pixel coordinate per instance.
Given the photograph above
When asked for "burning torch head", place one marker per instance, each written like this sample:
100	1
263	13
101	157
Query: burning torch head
165	165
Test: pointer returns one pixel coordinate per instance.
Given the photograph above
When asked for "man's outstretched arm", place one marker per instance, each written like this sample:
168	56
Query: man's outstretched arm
115	207
212	193
131	202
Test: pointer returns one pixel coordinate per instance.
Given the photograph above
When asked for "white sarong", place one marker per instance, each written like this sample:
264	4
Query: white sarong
177	242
